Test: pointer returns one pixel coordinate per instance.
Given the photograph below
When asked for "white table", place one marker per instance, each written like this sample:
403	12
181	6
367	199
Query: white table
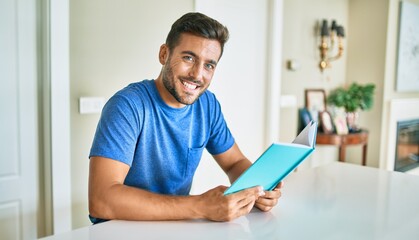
336	201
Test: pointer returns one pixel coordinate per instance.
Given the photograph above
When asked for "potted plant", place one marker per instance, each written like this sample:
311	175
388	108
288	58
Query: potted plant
354	98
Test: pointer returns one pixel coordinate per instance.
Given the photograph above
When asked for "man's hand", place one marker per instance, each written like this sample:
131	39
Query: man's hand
217	207
270	199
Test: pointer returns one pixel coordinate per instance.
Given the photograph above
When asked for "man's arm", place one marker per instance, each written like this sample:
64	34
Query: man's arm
234	163
109	198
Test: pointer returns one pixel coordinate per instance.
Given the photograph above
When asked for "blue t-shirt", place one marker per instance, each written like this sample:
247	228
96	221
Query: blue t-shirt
162	145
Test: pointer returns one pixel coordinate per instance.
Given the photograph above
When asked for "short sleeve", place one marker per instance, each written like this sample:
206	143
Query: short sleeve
118	129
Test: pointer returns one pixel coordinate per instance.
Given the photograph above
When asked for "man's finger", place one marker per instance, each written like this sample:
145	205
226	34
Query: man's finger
267	201
276	193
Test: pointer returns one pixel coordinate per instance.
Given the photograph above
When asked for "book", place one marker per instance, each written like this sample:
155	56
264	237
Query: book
278	160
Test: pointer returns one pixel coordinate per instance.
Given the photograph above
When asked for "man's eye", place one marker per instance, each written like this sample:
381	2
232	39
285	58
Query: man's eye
209	66
188	58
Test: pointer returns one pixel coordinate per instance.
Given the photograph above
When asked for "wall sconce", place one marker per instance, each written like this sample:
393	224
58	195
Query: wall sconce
328	40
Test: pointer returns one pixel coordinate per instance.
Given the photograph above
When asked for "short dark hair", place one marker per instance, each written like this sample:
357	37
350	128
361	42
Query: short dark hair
200	25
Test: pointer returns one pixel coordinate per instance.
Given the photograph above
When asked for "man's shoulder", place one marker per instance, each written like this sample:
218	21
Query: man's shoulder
134	96
208	97
136	90
138	86
208	102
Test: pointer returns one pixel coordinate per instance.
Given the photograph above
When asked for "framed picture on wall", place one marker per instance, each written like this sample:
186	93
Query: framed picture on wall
408	48
315	102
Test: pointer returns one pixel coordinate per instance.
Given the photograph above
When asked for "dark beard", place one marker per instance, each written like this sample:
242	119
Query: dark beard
169	84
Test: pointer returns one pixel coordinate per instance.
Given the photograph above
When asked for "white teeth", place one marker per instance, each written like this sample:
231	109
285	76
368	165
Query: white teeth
189	86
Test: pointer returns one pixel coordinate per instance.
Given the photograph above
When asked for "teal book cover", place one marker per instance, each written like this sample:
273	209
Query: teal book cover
279	160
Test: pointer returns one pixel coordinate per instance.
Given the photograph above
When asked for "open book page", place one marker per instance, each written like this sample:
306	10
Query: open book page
308	135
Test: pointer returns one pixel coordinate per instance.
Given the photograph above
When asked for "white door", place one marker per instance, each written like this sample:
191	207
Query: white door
240	82
18	123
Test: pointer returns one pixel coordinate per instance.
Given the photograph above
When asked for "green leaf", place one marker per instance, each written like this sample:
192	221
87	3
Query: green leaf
354	97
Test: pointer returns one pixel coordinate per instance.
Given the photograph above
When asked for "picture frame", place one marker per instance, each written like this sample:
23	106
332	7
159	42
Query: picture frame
326	122
341	125
315	100
407	72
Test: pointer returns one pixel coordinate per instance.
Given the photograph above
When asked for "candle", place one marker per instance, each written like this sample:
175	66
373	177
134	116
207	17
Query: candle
334	26
340	31
324	31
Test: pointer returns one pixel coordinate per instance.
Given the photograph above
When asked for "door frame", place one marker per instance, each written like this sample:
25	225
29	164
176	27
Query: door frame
55	24
274	70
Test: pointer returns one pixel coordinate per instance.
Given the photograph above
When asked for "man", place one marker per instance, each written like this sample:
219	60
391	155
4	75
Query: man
151	135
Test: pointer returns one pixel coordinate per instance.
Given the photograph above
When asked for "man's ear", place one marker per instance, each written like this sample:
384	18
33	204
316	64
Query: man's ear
163	54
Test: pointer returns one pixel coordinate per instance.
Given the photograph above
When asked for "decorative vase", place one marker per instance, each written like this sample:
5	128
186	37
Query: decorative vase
352	121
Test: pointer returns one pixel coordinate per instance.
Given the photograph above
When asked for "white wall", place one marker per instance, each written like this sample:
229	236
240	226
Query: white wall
366	64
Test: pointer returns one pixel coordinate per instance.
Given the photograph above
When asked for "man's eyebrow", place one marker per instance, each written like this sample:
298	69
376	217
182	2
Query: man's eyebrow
213	62
196	56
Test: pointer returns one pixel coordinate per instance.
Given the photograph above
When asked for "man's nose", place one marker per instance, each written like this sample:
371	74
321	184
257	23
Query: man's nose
197	71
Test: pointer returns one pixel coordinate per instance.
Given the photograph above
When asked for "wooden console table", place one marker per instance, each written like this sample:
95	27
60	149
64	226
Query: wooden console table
360	138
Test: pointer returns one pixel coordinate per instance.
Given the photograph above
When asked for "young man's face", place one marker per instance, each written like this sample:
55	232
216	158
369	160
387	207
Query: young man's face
187	70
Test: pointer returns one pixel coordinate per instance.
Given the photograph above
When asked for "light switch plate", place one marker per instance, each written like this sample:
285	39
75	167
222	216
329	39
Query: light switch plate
89	105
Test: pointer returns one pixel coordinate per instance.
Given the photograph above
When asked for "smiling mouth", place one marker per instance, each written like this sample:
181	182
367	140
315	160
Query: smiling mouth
189	85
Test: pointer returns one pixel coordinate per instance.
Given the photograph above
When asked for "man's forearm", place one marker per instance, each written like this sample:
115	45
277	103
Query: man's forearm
237	169
233	162
129	203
